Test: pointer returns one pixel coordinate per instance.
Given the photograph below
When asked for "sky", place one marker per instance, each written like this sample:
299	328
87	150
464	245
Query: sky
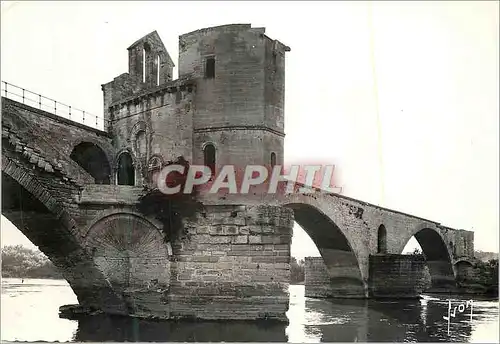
401	96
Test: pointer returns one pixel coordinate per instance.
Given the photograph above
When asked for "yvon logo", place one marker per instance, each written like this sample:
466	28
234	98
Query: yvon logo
461	308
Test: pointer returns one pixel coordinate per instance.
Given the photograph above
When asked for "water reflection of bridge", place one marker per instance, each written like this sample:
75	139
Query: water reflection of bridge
335	320
124	329
385	321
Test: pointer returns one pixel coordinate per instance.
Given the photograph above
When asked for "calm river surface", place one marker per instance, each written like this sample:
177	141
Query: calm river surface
30	313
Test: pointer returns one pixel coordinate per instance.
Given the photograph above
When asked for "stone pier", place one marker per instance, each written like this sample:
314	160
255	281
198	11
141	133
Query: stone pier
232	262
398	276
391	275
337	280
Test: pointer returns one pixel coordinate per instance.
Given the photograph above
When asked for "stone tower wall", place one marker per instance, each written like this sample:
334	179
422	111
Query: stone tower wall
240	108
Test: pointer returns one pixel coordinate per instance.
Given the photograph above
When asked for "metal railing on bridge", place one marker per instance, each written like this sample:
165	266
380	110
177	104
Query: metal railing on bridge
52	106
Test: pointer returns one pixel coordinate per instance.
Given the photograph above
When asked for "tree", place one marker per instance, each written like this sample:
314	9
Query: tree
296	271
416	251
22	262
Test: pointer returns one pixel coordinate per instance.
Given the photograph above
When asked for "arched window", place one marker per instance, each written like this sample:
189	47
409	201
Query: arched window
273	159
143	65
209	157
382	240
140	143
126	173
155	163
147	63
157	70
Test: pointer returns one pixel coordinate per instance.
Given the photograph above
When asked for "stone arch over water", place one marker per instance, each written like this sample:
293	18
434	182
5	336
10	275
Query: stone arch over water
438	257
29	206
339	258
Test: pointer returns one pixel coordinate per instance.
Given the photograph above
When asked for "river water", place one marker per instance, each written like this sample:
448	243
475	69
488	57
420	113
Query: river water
30	310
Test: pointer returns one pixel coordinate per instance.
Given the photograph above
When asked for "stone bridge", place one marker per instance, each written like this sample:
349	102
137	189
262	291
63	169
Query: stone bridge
360	242
86	196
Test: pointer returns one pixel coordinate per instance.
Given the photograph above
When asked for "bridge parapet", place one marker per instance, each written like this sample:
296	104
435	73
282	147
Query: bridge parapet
46	138
38	101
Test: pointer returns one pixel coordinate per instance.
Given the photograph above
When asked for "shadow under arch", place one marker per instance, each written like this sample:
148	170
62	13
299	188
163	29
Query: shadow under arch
464	272
343	274
53	235
93	160
438	260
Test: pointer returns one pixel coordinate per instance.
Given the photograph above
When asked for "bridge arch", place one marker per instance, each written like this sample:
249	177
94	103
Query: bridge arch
100	142
16	181
464	270
437	254
464	260
92	158
29	206
335	246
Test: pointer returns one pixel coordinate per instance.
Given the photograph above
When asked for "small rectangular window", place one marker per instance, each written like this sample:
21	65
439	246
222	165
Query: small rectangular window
210	68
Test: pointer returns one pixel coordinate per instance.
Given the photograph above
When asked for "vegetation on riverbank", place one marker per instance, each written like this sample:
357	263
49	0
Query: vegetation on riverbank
22	262
297	271
483	279
485	256
486	275
486	271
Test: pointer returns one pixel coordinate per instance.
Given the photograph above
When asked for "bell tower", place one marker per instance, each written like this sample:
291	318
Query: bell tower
149	63
148	114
